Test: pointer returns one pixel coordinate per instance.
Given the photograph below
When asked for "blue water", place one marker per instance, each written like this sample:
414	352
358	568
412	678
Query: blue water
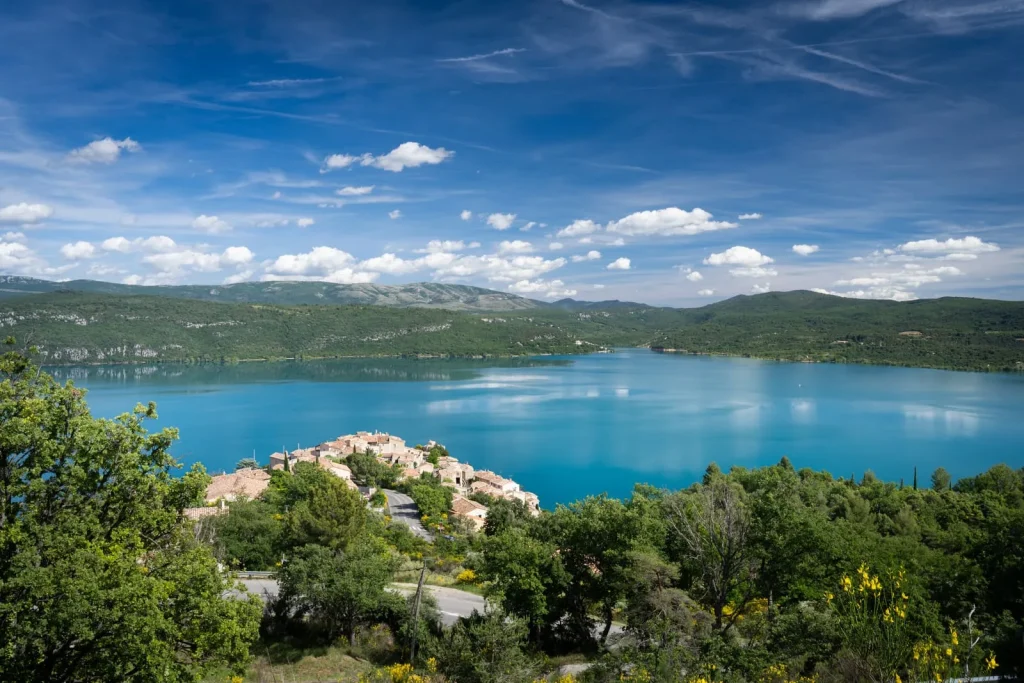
565	428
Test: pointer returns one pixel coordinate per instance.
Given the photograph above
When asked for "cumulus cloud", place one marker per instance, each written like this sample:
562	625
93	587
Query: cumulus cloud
529	226
547	289
555	246
441	246
394	214
350	191
25	213
210	224
761	289
750	216
668	222
13	237
318	260
499	268
578	228
406	155
965	245
501	221
805	249
738	256
240	276
466	214
621	263
390	264
896	285
591	255
105	151
305	222
125	245
236	256
78	250
694	276
515	247
705	292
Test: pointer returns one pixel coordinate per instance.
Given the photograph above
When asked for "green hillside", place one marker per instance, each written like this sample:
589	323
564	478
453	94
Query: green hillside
953	333
89	328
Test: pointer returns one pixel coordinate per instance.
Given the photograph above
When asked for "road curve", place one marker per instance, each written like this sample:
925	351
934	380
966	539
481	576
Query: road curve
404	510
451	602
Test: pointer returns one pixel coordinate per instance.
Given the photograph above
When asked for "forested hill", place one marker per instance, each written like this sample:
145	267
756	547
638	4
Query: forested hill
952	333
414	295
89	328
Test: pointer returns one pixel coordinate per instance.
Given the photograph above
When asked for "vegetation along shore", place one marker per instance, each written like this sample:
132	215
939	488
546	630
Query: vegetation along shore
773	574
85	322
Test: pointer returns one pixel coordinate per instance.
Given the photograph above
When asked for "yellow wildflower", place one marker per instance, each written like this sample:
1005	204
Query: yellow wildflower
432	665
846	583
990	663
898	679
949	652
954	638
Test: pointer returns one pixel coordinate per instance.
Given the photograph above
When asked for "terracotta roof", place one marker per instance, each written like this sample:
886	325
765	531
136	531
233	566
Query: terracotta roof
249	483
465	506
200	513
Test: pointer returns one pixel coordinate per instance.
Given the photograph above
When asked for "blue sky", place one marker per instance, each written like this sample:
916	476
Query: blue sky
671	153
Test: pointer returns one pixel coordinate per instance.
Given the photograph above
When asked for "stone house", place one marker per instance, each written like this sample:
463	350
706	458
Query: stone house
469	510
247	483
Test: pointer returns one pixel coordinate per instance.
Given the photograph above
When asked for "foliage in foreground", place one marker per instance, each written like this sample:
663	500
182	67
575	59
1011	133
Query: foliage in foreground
100	579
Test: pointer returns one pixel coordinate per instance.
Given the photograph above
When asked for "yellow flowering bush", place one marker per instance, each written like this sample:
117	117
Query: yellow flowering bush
466	576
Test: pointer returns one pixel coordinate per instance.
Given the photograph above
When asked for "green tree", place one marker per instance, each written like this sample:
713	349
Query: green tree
340	590
485	648
526	576
504	514
249	536
368	471
433	500
941	480
247	464
328	513
100	576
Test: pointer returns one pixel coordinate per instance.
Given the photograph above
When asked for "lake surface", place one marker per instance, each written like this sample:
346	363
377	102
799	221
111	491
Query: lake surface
565	428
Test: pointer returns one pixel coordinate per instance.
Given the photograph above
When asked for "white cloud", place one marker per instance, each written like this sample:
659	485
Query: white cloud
305	222
319	260
13	237
391	264
105	151
350	191
966	245
336	161
895	285
473	245
210	224
395	213
276	195
466	214
407	155
342	276
579	228
501	221
132	280
667	222
753	271
236	256
548	289
25	213
124	245
591	255
498	268
240	276
598	286
515	247
17	257
805	249
705	292
891	293
958	257
530	225
621	263
78	250
694	276
761	289
738	256
101	270
750	216
187	259
555	246
442	246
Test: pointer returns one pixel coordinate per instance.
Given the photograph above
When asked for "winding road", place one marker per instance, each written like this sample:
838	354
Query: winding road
403	509
451	602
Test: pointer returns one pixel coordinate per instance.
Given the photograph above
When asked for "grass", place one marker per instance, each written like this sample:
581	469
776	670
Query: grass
283	663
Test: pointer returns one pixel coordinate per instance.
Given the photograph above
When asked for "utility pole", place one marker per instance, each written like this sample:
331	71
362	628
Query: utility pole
416	614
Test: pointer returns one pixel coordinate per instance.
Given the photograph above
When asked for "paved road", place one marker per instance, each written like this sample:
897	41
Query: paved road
451	602
404	510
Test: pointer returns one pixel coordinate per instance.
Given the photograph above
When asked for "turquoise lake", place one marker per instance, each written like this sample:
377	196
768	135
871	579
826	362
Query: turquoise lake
566	428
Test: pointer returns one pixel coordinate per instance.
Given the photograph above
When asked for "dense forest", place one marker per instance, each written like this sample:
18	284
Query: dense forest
765	575
950	333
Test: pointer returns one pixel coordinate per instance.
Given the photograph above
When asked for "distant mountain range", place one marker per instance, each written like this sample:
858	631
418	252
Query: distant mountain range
89	321
416	295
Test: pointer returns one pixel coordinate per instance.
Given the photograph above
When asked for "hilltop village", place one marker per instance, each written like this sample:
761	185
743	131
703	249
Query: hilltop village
408	462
